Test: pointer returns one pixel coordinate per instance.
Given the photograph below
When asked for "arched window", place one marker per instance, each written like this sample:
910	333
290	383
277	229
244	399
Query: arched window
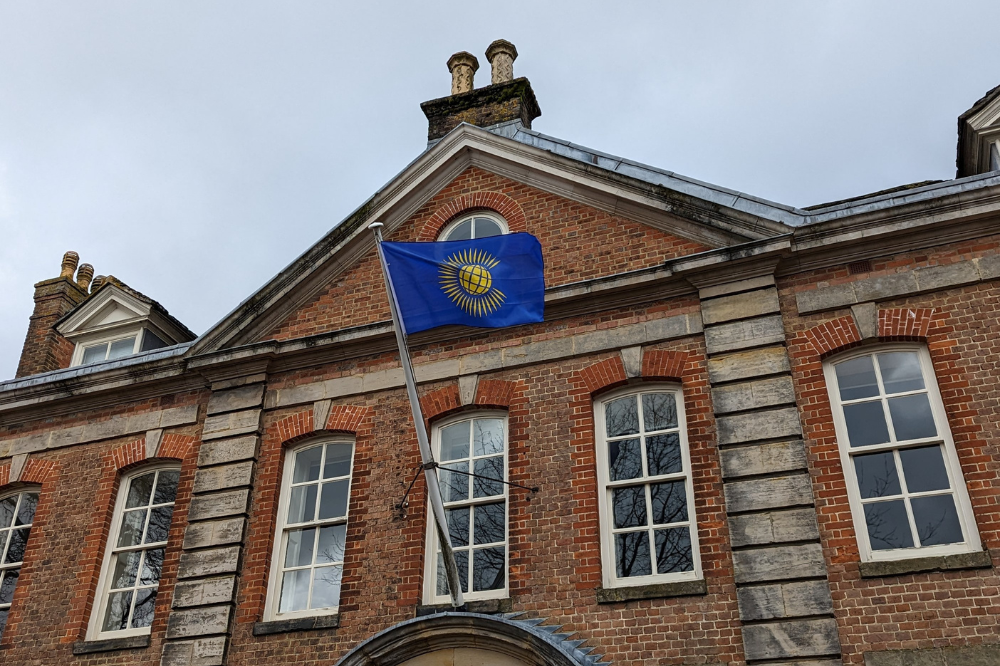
308	561
906	490
479	225
17	513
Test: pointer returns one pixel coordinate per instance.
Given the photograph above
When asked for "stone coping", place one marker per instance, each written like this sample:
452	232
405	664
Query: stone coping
979	560
297	624
683	588
482	606
111	644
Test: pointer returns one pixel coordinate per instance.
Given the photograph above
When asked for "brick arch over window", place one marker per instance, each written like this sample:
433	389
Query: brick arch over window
469	203
894	324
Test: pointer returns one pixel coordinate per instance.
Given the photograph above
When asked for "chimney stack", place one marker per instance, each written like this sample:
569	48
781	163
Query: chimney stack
501	55
463	66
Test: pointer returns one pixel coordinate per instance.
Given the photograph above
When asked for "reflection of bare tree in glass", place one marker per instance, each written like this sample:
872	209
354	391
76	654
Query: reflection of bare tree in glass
632	553
882	529
659	411
673	550
490	468
621	417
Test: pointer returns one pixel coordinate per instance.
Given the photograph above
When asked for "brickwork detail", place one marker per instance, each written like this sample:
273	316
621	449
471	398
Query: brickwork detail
498	202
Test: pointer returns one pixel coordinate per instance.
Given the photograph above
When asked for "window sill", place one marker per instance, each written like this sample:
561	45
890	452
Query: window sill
111	644
980	560
297	624
483	606
685	588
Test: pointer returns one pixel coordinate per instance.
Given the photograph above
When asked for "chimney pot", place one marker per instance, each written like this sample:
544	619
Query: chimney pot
96	284
83	276
463	66
501	55
69	262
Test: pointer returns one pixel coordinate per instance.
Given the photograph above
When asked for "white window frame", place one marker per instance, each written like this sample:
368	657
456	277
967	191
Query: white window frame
139	333
431	551
94	631
16	492
504	227
605	486
963	504
273	600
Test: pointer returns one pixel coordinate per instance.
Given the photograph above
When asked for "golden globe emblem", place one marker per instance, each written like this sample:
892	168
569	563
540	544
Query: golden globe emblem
466	278
475	279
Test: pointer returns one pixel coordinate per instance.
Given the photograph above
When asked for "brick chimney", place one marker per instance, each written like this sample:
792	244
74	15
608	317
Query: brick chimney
44	348
506	99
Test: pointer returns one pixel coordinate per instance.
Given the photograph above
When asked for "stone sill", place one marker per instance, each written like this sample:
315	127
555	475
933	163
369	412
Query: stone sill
128	643
483	607
980	560
298	624
684	588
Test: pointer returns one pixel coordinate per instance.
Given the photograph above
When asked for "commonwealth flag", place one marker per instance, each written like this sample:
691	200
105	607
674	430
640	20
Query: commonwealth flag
488	282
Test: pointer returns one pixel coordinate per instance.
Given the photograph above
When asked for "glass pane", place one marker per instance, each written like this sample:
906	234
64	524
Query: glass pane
145	600
3	620
299	551
659	411
866	423
911	417
887	525
936	520
294	591
331	544
150	341
621	417
307	464
139	490
7	507
629	506
462	231
487	437
632	554
95	354
492	470
302	504
485	227
924	469
8	585
159	524
462	561
116	617
121	348
15	548
900	372
26	512
625	459
454	486
856	378
488	569
669	502
333	503
673	550
489	523
152	563
166	487
326	587
877	475
663	454
455	441
338	460
132	524
126	568
458	526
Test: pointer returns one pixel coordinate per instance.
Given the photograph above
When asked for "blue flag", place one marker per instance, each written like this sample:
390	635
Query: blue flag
488	282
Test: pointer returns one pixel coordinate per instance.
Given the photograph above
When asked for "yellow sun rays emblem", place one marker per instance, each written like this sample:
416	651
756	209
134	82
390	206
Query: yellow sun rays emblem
467	281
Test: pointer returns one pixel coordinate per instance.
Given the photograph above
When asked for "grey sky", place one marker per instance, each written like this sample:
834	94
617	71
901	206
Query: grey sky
193	149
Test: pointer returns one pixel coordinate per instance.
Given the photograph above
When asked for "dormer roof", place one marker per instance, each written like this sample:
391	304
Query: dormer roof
979	136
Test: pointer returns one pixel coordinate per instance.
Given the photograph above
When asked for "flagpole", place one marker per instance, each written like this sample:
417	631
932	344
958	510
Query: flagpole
426	456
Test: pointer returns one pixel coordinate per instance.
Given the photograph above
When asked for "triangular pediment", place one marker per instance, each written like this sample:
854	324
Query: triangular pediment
110	308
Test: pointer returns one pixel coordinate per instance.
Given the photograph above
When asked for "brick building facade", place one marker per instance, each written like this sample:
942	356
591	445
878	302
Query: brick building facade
744	433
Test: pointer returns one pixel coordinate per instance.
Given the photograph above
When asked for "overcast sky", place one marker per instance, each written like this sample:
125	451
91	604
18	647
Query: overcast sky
193	149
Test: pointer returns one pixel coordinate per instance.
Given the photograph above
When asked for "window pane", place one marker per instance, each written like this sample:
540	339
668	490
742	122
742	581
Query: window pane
151	341
625	459
866	423
152	563
7	507
489	523
145	600
900	372
856	378
3	620
492	470
673	550
326	587
488	570
629	506
299	551
454	486
663	454
455	441
924	469
116	617
121	348
659	411
294	591
331	544
126	569
159	524
669	502
307	464
877	475
487	437
333	503
632	554
338	460
18	542
7	586
95	354
485	227
458	525
462	562
461	231
302	505
131	531
887	525
911	417
936	520
622	417
26	512
139	490
166	487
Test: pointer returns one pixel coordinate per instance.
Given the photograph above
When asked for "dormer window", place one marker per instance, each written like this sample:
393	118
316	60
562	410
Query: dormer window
110	350
481	225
